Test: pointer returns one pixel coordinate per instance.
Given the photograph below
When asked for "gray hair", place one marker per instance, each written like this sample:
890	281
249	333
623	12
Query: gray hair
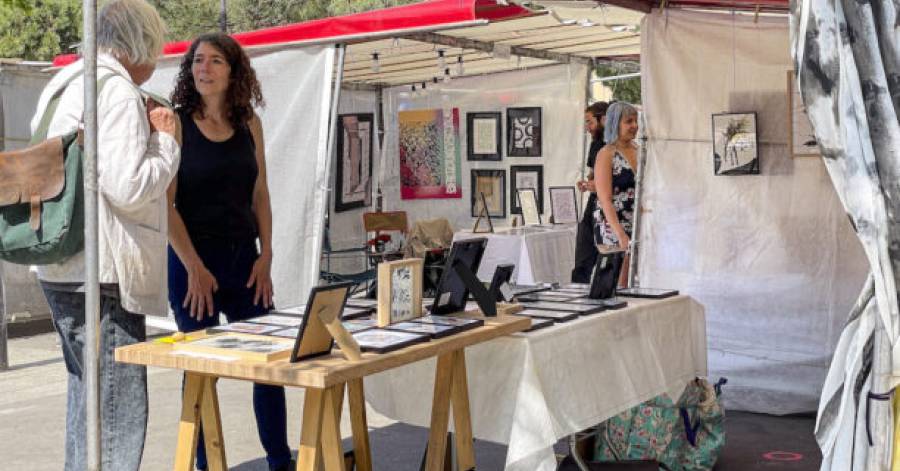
614	115
130	30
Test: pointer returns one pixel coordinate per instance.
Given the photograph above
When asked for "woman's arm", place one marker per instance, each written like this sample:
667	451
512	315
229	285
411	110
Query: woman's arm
201	283
603	184
261	275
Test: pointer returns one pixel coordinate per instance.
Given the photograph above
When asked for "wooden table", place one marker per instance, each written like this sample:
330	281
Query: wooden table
324	379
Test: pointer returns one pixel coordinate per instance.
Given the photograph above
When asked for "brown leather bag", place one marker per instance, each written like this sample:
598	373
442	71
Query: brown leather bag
33	175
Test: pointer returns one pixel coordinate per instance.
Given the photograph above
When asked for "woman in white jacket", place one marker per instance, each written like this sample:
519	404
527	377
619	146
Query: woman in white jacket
138	155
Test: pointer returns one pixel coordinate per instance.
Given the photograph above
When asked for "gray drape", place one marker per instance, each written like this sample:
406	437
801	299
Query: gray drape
848	68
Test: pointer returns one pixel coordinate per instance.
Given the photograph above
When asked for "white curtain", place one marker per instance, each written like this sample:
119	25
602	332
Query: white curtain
296	85
772	257
848	67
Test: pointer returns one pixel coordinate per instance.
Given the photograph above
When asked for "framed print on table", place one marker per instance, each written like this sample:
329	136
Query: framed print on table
735	149
399	291
523	132
493	184
483	136
530	214
526	176
563	204
353	178
801	138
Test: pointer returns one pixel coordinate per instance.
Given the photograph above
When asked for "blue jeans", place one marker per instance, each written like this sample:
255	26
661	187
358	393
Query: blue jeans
123	387
231	262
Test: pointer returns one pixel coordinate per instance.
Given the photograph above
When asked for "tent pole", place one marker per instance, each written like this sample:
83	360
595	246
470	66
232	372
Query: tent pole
91	251
332	130
585	142
634	248
378	188
4	351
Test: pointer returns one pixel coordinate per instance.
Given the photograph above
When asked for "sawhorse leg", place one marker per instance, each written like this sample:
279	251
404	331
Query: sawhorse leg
320	436
200	404
451	387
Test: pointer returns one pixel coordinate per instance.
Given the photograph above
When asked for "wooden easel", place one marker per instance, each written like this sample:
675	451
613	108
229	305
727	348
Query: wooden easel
483	214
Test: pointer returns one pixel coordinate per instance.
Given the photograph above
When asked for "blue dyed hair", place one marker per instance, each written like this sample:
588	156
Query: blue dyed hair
614	115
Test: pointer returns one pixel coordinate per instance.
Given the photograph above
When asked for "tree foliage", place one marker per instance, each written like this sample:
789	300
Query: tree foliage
40	29
628	90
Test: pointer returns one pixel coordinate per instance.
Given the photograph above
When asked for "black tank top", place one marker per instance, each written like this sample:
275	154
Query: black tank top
215	183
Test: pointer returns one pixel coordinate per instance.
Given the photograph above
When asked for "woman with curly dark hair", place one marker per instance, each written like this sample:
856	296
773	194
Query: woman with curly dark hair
218	209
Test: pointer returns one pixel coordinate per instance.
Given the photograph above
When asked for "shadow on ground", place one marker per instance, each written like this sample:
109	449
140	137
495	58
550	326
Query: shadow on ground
754	442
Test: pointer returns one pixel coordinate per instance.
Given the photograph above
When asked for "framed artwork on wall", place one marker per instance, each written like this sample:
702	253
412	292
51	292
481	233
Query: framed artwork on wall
483	136
430	154
353	175
523	132
735	149
563	204
492	183
801	138
526	176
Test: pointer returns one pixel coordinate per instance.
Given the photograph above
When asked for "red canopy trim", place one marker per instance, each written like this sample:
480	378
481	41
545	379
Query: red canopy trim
431	13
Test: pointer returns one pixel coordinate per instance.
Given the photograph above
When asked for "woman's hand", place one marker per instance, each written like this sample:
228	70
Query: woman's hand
201	285
624	241
261	276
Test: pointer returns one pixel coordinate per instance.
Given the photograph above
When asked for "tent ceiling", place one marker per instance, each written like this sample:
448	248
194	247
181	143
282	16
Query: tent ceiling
578	33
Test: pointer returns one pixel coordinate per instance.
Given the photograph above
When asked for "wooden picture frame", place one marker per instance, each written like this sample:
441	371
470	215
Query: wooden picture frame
399	291
353	161
240	345
483	136
530	214
526	176
322	325
563	204
491	182
801	137
735	144
523	132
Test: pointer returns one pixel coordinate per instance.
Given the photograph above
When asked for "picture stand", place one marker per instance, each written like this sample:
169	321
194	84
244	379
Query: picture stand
483	214
399	291
322	326
487	305
458	280
500	290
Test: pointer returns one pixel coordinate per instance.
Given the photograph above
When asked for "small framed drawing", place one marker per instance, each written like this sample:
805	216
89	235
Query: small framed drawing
492	183
735	150
353	178
530	214
399	291
563	204
523	132
244	346
526	176
483	136
801	138
322	326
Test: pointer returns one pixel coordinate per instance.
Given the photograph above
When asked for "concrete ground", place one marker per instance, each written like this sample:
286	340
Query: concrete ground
33	406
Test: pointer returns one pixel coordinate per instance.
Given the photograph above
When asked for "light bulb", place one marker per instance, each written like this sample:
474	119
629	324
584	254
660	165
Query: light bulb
376	65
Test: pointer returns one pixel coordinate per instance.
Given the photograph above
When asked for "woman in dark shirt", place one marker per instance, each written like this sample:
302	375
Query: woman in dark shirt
219	209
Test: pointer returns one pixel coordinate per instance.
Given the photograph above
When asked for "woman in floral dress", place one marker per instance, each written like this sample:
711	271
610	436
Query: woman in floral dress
614	177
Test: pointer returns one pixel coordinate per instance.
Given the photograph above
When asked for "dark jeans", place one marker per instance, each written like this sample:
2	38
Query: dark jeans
123	387
231	263
585	247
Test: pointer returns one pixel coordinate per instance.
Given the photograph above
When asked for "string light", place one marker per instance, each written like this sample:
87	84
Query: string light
376	65
459	66
447	75
442	61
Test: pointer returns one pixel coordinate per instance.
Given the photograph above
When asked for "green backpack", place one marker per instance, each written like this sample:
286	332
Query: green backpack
42	195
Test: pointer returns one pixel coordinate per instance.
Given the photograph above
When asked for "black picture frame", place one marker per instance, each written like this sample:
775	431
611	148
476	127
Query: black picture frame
474	191
524	132
726	160
342	167
515	206
471	135
557	194
313	339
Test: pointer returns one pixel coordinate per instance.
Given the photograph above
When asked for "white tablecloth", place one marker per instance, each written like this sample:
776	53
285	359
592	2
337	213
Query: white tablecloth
529	390
540	254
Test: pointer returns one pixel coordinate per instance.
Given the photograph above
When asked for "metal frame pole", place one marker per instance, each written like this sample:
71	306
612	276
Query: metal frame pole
4	351
91	252
335	99
634	248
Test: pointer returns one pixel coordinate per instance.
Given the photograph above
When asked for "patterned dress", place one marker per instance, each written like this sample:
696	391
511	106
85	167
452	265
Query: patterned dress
623	183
